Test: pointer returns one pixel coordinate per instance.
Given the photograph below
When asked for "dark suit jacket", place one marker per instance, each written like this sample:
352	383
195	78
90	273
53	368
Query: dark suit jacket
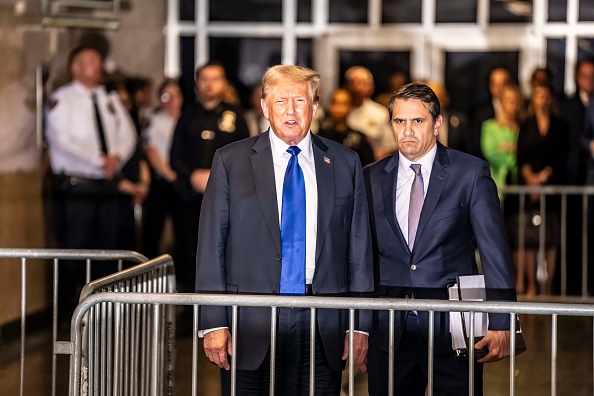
574	112
461	210
239	246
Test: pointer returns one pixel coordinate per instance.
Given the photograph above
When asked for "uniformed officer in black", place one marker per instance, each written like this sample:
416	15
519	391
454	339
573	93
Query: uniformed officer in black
203	127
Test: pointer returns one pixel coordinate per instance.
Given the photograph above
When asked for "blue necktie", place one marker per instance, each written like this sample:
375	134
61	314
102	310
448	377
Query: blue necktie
293	228
415	205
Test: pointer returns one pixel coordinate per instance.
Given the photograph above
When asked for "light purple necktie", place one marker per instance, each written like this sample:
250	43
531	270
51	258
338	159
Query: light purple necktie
415	204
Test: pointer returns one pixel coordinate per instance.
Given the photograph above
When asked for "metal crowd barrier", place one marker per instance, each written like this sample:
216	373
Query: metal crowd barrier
116	340
119	302
563	192
86	257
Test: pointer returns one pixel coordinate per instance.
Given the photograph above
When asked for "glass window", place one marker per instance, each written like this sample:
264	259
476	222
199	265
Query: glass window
304	52
187	66
447	11
469	92
304	11
187	10
586	12
557	10
519	11
381	65
556	63
245	59
401	11
585	48
348	11
246	10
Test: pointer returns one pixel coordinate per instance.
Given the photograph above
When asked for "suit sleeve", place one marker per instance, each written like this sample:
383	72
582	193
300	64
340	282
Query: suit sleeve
212	240
487	223
360	253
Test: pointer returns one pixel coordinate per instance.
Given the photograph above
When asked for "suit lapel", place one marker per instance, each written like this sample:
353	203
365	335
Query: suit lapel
263	171
389	183
437	181
325	180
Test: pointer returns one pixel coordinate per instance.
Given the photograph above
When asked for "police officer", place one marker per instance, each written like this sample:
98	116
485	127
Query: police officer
203	127
90	136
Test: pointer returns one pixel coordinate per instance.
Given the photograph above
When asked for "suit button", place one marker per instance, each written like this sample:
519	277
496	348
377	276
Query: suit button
278	258
413	267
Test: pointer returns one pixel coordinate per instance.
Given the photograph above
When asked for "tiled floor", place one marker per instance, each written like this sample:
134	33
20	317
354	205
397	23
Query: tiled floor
532	374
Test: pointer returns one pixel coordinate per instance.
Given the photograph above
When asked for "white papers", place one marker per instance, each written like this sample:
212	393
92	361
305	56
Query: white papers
472	288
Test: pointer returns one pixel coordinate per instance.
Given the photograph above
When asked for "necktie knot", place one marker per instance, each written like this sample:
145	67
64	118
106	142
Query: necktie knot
416	168
293	150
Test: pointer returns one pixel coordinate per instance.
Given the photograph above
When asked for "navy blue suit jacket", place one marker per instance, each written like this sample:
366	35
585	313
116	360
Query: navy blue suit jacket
239	246
461	211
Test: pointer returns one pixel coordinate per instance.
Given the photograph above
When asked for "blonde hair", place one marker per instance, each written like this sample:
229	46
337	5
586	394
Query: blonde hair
296	74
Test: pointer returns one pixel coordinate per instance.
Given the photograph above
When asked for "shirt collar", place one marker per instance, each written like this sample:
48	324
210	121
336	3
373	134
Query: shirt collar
426	161
279	148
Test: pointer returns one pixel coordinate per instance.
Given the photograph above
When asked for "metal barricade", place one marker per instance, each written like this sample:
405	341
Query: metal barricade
586	193
86	257
116	339
120	300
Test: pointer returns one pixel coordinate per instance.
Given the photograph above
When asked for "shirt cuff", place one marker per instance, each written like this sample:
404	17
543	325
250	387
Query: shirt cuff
360	332
202	333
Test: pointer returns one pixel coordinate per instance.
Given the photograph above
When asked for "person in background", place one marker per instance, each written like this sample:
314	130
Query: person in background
335	126
367	116
499	137
498	79
90	137
140	91
157	138
397	80
454	131
573	110
254	117
541	153
203	127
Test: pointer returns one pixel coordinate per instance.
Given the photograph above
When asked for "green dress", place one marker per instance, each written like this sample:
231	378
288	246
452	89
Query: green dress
502	163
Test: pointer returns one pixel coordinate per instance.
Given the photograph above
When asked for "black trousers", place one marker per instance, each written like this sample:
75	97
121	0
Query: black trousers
292	363
450	373
83	223
186	217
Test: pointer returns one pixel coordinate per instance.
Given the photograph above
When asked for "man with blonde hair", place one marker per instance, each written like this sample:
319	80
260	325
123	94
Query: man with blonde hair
284	213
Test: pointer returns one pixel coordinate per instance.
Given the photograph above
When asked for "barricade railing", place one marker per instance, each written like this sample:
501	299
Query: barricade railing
82	256
563	192
157	301
116	339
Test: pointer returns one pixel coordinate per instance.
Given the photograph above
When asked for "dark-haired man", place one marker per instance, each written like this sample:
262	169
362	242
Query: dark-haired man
203	127
430	208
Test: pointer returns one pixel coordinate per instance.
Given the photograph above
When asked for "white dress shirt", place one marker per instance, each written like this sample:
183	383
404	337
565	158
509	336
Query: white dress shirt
159	133
405	178
74	146
280	159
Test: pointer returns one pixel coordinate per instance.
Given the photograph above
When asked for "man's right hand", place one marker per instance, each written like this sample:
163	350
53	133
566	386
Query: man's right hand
217	346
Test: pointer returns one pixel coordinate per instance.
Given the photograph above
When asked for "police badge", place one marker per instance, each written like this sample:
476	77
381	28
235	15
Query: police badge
227	121
111	107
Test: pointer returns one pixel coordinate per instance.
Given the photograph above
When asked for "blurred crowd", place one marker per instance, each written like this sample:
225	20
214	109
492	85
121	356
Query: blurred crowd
155	156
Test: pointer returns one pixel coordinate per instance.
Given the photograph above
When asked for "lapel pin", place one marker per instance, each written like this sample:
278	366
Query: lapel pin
327	160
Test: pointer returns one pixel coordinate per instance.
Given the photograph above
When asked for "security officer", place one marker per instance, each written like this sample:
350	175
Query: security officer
204	126
90	137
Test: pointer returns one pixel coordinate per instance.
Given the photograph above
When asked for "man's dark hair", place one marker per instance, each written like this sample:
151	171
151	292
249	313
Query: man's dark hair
581	62
79	49
418	91
208	64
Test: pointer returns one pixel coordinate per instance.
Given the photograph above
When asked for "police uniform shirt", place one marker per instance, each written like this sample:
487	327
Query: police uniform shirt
74	145
201	132
159	133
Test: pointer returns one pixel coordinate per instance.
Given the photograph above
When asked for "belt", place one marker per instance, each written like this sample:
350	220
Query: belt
308	290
